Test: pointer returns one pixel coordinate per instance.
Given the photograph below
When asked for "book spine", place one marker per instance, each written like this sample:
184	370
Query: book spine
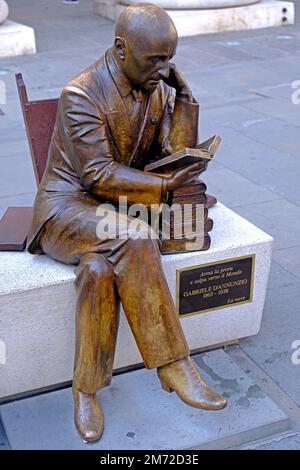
183	246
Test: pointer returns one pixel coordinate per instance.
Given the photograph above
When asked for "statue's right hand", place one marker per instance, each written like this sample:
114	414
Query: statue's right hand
185	175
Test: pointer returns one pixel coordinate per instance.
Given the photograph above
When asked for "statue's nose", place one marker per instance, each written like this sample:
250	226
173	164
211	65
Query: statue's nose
164	71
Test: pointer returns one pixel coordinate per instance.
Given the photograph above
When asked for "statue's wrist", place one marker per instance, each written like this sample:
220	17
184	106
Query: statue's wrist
185	93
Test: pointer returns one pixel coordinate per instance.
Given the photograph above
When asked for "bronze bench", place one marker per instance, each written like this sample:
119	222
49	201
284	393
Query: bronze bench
39	117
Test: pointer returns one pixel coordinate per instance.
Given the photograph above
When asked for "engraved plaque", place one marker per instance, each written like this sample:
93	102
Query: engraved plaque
215	285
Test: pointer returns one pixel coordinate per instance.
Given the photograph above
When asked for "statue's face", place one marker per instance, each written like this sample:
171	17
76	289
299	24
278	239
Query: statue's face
147	61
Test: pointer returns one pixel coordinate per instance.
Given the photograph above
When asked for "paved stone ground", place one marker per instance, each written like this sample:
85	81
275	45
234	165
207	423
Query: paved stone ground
139	415
243	82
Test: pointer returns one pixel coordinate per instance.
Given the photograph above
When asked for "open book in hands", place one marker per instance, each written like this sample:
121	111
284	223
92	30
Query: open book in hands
185	157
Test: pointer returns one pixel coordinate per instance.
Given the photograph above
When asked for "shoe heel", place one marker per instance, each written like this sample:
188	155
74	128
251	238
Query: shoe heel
166	387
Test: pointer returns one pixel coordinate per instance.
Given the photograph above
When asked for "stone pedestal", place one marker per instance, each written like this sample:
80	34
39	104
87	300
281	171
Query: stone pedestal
15	39
106	8
3	11
192	17
37	307
194	4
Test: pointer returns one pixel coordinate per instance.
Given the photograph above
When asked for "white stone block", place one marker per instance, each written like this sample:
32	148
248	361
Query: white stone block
105	8
264	14
3	11
193	4
37	307
16	39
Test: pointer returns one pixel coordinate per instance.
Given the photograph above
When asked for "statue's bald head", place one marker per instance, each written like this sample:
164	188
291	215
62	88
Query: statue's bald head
143	19
145	40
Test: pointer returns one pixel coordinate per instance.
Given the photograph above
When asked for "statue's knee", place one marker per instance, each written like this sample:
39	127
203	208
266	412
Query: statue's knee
142	233
96	266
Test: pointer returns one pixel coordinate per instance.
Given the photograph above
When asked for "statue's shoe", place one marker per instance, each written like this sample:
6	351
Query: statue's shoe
88	416
183	378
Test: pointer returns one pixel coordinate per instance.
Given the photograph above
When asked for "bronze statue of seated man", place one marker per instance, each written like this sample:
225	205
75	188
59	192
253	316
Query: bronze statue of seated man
111	119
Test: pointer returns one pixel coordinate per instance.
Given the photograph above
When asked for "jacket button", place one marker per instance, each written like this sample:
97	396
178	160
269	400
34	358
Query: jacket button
154	119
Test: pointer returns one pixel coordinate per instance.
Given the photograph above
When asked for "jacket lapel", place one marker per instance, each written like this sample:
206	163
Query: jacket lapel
116	113
141	134
148	127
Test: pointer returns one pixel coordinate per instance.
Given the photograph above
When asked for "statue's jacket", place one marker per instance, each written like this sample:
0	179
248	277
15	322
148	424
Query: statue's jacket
95	156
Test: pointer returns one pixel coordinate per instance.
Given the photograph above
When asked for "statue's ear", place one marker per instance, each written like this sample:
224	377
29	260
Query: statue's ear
120	46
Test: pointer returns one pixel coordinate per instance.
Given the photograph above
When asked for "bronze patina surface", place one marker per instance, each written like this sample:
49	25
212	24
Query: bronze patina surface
112	118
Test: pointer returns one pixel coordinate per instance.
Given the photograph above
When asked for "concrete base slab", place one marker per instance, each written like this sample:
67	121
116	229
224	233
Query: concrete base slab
140	415
264	14
16	39
3	440
194	4
37	307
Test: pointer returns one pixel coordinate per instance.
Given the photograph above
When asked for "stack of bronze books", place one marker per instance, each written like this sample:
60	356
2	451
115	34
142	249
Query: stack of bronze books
186	227
185	224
